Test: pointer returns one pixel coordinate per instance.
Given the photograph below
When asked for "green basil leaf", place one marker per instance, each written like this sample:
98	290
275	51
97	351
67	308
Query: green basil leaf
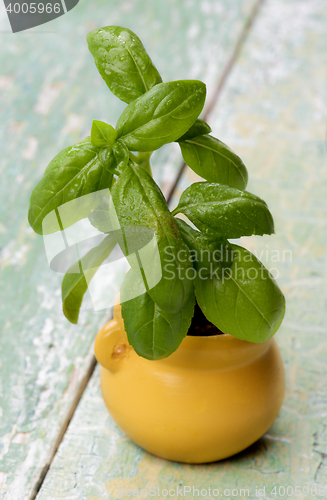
246	302
199	127
214	161
115	158
139	202
161	115
75	284
102	134
223	211
73	173
122	62
209	254
153	332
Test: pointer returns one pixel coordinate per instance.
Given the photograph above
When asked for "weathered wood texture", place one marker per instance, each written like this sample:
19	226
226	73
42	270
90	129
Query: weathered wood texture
273	113
50	92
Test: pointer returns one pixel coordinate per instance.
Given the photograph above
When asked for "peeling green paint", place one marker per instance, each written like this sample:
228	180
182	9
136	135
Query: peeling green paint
45	81
272	113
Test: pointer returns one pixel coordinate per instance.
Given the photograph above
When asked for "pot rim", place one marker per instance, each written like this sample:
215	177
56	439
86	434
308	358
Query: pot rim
216	335
220	351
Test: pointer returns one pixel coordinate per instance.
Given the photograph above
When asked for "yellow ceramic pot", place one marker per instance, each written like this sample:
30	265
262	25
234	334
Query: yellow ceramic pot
210	399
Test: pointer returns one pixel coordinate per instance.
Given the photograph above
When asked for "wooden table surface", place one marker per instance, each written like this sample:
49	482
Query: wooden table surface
267	98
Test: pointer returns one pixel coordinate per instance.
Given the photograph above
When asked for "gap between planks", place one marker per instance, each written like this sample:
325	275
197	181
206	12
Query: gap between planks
90	366
92	361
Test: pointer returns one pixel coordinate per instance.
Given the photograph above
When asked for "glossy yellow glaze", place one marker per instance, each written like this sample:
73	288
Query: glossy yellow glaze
210	399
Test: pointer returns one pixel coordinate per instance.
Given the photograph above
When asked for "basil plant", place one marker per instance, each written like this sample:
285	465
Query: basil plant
197	264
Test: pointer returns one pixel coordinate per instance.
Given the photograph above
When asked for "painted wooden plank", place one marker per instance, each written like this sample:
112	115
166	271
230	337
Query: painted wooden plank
273	113
50	92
